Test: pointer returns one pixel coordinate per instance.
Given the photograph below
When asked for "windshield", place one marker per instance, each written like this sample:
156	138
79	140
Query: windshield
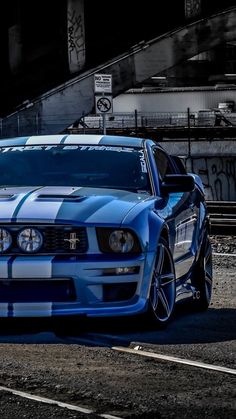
74	165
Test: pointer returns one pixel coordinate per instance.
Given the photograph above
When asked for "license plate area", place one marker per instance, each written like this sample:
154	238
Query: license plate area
37	290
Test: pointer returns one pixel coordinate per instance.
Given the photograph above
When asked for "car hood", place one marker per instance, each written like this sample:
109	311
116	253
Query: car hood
67	205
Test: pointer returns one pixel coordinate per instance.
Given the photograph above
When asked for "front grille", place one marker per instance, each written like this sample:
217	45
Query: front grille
56	239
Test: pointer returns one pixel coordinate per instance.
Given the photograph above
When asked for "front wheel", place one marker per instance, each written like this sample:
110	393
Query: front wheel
163	287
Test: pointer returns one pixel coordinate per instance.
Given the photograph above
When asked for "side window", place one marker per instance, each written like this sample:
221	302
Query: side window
163	163
179	165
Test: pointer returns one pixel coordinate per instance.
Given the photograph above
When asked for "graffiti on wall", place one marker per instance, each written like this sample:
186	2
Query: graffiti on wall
218	175
192	8
76	36
15	48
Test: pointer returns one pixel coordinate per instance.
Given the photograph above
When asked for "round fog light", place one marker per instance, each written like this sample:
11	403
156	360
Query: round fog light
30	240
5	240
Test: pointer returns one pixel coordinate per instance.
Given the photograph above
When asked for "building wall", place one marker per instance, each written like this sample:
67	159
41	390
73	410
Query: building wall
172	101
218	175
213	161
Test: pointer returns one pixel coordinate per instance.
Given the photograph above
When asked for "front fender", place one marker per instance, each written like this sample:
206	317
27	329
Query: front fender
148	226
156	228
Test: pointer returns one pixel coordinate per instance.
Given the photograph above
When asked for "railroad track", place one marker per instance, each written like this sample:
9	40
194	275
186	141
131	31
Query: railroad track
222	216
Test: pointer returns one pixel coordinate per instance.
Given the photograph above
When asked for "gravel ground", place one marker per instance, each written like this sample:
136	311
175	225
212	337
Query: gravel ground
223	244
125	385
120	384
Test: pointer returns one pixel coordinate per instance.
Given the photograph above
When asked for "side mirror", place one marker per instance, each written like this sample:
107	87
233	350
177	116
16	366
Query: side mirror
177	183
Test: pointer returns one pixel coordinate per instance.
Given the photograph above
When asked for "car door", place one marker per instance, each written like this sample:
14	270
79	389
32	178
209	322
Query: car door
180	214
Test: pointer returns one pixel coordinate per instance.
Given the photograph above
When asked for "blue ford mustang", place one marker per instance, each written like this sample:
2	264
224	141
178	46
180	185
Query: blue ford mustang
100	226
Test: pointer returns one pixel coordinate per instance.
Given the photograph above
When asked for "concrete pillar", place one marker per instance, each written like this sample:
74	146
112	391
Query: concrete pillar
75	35
15	48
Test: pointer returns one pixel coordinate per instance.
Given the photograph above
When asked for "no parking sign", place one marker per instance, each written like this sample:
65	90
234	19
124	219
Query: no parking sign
103	104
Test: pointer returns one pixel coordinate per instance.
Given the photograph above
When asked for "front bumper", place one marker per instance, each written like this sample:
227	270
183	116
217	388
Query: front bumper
45	286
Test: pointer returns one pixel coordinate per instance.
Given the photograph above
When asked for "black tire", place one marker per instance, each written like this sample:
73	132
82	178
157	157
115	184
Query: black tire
163	288
202	277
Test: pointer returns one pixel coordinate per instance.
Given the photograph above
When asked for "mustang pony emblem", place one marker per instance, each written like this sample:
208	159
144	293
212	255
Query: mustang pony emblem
73	240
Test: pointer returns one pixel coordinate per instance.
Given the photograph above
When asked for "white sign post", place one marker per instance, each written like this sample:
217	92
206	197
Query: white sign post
103	101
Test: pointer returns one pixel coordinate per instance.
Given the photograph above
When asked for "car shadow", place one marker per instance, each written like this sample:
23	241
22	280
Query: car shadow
213	325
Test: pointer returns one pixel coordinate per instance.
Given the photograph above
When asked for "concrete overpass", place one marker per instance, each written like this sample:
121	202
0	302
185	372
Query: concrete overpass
58	108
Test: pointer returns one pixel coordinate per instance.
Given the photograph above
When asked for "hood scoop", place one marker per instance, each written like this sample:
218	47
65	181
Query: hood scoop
61	197
7	196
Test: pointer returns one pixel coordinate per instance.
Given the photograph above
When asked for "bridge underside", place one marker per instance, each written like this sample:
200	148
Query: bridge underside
57	109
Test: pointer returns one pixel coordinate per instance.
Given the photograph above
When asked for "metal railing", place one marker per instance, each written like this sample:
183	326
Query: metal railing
35	124
137	120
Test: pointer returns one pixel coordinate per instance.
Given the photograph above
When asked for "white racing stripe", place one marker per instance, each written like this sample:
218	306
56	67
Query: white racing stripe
9	205
32	267
55	402
31	210
83	139
44	139
175	359
70	139
26	309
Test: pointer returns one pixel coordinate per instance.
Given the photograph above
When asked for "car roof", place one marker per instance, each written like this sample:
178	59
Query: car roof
74	139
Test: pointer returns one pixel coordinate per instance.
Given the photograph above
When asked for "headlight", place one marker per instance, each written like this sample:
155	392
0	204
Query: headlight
117	241
121	241
5	240
30	240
